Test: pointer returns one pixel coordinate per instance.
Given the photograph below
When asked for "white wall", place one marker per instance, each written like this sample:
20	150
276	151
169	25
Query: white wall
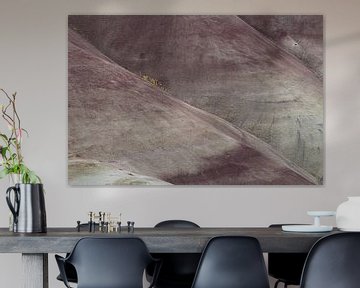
33	62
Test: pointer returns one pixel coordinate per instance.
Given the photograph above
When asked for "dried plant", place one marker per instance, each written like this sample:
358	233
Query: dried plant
11	159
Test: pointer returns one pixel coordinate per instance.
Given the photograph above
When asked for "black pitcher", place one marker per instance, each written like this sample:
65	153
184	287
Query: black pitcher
28	207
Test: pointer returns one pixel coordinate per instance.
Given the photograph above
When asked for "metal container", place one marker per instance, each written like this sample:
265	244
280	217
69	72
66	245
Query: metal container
27	204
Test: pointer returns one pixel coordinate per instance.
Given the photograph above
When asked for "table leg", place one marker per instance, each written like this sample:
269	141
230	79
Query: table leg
35	270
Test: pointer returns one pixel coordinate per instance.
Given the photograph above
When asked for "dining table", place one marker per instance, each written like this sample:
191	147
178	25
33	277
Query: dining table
35	247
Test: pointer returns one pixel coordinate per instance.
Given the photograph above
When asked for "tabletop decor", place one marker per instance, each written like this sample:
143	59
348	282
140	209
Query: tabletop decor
195	99
25	197
348	214
315	227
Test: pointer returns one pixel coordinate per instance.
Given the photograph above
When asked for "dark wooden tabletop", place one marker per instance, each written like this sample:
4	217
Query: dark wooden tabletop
158	240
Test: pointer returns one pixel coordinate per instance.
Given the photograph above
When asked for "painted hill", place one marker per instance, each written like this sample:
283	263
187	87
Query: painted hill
300	35
122	125
96	173
222	65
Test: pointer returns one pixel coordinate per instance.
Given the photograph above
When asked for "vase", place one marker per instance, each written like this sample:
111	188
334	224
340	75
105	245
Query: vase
27	205
348	214
13	179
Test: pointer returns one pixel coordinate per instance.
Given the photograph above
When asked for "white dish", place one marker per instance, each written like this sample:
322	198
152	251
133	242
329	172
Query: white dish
306	228
321	213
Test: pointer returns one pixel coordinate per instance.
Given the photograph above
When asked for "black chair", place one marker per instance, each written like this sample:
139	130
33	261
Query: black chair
178	269
232	262
286	267
333	262
108	263
70	273
69	269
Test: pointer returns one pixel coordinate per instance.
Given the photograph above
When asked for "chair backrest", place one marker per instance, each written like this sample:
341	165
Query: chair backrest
177	270
110	262
333	262
286	267
232	262
176	224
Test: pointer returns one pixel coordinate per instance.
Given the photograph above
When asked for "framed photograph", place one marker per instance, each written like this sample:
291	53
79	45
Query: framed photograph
195	100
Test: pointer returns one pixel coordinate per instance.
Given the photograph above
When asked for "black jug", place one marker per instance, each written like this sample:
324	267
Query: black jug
28	208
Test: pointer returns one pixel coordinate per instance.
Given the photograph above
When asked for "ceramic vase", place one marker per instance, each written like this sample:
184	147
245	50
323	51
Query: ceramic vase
27	204
348	215
14	179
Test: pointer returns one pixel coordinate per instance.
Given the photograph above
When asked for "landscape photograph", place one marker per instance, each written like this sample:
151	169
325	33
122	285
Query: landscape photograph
195	100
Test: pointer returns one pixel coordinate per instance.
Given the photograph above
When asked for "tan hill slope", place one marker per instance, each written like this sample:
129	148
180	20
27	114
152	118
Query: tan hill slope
222	65
122	125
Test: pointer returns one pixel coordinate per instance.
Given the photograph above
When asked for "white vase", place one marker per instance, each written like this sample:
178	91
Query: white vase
348	215
14	179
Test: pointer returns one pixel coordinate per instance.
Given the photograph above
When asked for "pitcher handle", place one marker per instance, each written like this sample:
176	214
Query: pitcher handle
13	208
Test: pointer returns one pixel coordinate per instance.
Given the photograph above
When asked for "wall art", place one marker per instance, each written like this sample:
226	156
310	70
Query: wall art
195	100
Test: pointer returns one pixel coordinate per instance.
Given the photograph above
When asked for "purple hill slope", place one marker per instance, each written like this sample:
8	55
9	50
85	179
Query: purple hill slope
124	126
300	35
222	65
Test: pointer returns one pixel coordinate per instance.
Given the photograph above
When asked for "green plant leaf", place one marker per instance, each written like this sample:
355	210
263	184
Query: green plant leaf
27	133
4	137
33	178
28	176
3	151
10	151
4	173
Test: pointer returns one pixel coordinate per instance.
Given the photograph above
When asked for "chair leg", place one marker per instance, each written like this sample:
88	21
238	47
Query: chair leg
278	282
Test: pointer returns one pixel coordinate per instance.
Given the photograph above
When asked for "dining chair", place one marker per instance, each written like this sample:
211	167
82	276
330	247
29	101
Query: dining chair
70	271
108	263
178	269
286	267
333	262
232	262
